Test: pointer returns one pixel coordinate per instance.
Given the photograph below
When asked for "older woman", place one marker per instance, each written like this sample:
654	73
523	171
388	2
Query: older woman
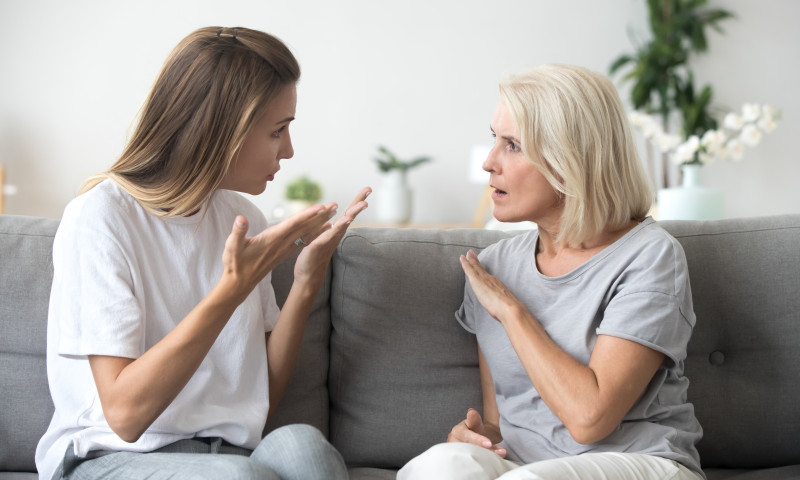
582	324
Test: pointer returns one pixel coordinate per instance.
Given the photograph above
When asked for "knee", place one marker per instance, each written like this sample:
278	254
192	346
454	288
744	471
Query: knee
446	461
298	434
302	452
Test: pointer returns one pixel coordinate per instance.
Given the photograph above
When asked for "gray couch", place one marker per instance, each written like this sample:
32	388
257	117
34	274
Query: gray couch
386	371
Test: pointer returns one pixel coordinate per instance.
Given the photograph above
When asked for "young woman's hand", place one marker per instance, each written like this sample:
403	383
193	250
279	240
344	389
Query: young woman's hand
247	260
313	260
472	430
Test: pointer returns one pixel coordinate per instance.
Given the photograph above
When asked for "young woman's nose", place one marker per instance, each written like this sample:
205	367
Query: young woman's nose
288	150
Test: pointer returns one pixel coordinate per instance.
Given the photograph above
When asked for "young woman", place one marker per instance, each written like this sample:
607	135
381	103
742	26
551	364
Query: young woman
582	324
166	349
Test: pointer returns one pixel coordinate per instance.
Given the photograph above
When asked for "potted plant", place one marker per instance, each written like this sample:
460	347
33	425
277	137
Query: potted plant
302	193
663	83
659	70
393	198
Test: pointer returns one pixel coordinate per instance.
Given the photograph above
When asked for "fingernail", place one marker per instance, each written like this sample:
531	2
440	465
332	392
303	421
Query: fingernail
239	223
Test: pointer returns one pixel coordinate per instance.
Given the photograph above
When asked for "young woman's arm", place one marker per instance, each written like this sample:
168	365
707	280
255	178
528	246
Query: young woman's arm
133	393
284	341
590	400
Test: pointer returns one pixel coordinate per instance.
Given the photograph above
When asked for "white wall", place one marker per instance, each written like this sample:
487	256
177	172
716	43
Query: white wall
418	76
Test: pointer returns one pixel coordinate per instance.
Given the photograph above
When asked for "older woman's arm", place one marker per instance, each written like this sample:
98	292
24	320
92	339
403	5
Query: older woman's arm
590	400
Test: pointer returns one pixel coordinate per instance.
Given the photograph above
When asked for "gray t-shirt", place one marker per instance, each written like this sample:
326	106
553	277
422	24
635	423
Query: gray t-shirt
637	289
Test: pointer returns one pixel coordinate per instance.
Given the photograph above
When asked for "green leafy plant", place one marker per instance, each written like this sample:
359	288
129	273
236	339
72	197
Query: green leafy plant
662	79
304	189
388	161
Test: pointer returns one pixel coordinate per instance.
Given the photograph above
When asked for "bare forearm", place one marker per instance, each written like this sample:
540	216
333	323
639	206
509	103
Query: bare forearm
283	343
135	392
568	387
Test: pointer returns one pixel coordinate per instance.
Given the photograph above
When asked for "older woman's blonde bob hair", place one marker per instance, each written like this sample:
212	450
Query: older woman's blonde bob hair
213	86
571	120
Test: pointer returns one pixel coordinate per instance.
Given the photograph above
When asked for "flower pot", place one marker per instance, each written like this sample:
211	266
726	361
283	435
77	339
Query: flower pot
298	206
690	201
393	199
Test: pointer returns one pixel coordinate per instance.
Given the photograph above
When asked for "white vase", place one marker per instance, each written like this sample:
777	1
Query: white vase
393	199
690	201
298	206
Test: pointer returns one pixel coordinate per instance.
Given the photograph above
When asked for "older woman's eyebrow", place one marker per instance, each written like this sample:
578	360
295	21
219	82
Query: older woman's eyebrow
504	137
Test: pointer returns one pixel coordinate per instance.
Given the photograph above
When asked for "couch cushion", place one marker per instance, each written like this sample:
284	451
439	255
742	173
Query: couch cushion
744	354
403	371
306	396
26	272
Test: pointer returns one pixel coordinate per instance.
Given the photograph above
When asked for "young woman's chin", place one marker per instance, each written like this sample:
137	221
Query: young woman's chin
254	189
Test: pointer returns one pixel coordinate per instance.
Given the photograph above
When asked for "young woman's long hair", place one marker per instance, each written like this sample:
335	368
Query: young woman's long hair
574	120
211	89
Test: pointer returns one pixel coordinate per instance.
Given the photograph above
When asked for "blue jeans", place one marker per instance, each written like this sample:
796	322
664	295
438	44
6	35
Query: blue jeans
288	453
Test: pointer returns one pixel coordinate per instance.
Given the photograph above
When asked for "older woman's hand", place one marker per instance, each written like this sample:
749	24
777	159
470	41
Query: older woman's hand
495	297
473	430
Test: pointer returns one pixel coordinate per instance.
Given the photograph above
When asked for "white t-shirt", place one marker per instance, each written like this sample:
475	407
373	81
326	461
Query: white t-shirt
637	289
123	279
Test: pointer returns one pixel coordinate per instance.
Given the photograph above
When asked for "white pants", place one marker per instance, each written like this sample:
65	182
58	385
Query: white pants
465	461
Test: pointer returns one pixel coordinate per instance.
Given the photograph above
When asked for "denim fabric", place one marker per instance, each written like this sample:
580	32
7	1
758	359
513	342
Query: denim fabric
293	452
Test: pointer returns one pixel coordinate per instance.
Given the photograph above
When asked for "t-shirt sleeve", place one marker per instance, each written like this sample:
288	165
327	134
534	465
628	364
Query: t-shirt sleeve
653	305
466	312
92	296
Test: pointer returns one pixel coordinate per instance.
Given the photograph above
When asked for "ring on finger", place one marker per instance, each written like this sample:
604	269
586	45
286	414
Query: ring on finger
300	242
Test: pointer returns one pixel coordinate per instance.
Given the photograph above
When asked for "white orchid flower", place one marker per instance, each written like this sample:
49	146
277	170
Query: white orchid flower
733	121
745	129
736	149
767	124
750	112
750	136
666	142
768	112
637	118
712	140
685	151
705	157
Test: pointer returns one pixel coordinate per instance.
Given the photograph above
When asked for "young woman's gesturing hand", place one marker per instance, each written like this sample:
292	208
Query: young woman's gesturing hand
247	260
313	260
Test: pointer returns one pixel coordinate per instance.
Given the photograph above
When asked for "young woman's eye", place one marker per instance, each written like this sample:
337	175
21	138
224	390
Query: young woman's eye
277	133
